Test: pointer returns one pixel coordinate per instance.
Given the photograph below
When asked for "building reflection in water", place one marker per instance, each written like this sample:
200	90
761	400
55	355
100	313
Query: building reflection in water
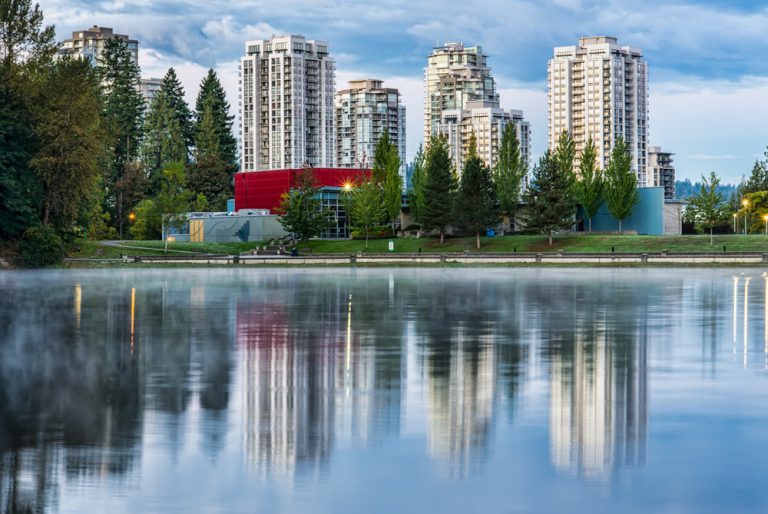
599	401
741	323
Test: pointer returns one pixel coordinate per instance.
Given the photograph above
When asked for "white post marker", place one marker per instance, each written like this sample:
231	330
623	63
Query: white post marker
391	246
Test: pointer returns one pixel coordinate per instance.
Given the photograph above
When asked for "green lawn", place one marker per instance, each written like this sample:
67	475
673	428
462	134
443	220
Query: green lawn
568	243
95	249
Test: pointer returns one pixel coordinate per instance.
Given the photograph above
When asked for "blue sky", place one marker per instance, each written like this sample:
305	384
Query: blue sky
707	59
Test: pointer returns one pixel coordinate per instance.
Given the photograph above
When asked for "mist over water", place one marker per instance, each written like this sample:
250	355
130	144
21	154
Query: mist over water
405	390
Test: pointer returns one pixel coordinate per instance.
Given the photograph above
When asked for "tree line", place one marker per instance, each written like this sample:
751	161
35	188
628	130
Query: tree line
481	198
82	155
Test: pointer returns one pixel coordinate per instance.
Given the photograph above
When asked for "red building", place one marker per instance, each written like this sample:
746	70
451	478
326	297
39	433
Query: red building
263	189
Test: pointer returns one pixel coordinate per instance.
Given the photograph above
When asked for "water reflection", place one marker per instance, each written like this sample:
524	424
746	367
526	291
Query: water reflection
599	401
281	375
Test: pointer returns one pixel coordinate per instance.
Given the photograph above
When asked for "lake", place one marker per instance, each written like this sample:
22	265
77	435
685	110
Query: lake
384	390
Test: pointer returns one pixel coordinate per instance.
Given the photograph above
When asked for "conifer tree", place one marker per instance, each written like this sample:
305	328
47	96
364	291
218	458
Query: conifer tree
476	197
589	185
621	194
212	91
173	92
439	187
123	111
509	172
208	175
549	202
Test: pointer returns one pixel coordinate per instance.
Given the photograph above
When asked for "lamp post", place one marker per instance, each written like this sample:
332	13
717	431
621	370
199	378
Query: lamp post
735	222
745	204
765	219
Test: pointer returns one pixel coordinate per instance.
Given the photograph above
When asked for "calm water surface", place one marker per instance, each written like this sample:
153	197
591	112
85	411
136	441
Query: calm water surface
346	391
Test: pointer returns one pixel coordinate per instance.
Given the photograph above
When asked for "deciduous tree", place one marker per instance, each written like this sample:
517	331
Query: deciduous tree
588	187
301	211
621	194
708	205
508	173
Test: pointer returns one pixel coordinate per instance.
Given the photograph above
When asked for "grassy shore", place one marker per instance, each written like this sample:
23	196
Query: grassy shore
568	243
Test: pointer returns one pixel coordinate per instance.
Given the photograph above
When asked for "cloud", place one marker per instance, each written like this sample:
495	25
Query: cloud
226	29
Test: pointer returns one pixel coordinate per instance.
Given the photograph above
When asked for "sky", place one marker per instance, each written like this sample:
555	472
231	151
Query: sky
707	62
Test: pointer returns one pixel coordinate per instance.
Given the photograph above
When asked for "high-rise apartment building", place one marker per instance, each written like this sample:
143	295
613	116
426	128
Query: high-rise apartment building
90	44
486	121
286	104
455	75
599	89
149	89
661	171
364	112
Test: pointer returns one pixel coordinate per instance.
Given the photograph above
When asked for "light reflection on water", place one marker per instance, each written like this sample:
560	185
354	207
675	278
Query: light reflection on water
383	390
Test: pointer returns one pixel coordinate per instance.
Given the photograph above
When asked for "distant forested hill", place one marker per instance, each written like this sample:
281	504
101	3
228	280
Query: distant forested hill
686	188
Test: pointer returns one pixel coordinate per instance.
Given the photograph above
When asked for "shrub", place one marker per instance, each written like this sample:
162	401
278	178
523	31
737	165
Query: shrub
41	246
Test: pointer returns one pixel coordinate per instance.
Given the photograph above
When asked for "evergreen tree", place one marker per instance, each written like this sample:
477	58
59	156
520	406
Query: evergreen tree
163	141
25	45
209	174
621	194
212	91
367	207
509	173
416	193
439	187
758	179
589	185
301	211
476	197
708	205
67	124
123	111
173	92
382	156
549	202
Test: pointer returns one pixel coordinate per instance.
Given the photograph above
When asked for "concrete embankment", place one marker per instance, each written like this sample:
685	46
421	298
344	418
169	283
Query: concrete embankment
462	259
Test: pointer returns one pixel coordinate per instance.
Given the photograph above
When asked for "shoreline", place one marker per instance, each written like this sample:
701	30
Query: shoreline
559	259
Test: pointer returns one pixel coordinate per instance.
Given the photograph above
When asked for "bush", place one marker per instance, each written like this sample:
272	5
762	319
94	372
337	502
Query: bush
41	246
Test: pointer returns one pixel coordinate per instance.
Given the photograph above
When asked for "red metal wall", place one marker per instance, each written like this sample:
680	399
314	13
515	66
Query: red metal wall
263	189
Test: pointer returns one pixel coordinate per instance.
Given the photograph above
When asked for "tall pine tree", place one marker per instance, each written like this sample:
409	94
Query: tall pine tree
173	92
476	197
123	111
549	202
439	187
164	140
212	91
208	175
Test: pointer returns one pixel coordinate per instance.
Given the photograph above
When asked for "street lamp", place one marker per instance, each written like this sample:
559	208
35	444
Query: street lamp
765	219
132	217
735	221
745	204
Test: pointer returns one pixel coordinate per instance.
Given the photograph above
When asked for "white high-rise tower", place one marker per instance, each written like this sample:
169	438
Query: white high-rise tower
286	104
599	89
